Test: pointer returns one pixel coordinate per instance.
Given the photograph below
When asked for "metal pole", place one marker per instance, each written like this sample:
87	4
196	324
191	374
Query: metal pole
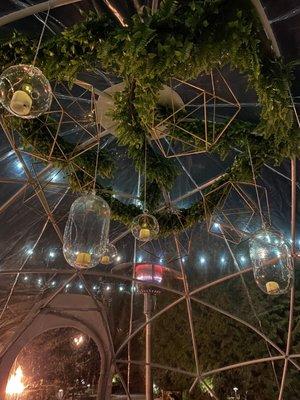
148	372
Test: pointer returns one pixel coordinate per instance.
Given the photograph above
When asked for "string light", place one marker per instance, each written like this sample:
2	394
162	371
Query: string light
19	165
78	340
202	260
29	252
51	254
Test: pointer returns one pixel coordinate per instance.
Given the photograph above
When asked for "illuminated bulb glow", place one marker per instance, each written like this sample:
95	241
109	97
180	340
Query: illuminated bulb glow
78	341
21	103
83	259
105	260
272	287
144	233
15	383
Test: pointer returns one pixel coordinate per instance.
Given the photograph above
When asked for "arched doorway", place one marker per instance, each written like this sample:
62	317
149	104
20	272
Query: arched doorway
62	363
78	312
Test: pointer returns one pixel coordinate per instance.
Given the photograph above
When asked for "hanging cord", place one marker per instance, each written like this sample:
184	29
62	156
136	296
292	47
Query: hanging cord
133	286
256	188
96	166
98	146
41	35
145	177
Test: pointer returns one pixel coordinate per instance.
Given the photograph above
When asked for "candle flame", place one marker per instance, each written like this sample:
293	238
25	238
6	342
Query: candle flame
15	383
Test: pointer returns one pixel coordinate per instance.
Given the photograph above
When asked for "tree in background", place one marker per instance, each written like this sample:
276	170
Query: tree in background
222	341
60	359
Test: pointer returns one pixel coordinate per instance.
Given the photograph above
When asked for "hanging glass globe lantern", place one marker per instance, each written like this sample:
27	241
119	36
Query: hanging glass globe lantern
144	227
86	231
272	264
110	253
24	91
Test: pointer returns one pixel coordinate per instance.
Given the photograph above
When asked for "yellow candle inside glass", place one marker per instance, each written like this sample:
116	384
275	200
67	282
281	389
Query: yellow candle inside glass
21	103
272	287
83	259
144	233
105	260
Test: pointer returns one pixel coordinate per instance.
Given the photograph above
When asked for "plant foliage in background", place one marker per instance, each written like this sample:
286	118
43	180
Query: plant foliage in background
182	40
228	342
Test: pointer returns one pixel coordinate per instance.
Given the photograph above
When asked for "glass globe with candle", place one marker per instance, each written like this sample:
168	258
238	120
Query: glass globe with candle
272	264
24	91
144	227
109	255
86	231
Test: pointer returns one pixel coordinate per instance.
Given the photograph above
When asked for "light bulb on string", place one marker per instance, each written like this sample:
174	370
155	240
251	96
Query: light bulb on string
272	263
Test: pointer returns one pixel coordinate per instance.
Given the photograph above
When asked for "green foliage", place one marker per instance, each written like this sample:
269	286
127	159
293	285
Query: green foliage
182	39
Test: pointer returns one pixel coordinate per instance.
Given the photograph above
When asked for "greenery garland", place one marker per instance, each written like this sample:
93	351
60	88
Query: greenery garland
183	39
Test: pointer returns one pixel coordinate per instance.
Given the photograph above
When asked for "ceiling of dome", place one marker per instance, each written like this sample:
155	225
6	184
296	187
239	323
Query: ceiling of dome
35	200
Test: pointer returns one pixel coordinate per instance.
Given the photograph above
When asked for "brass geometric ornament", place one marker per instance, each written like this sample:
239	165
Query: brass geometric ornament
209	107
241	209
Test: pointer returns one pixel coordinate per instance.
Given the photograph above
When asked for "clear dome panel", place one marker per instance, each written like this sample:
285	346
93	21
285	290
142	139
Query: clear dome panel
272	266
86	231
25	91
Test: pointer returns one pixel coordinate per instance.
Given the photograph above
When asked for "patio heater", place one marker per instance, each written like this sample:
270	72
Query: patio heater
149	274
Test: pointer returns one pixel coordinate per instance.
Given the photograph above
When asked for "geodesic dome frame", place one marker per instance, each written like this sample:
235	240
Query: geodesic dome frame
33	192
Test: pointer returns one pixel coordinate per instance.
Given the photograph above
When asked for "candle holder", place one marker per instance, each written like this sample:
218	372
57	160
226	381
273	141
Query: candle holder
272	263
24	91
145	227
86	231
